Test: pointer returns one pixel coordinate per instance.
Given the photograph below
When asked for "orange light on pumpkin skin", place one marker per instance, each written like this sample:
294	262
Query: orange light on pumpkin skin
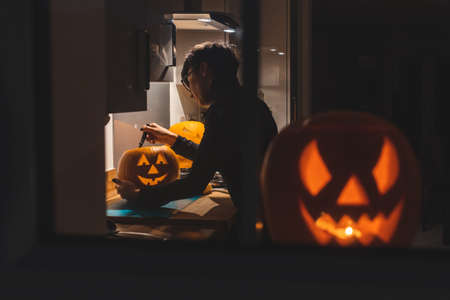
353	194
191	130
343	230
159	162
153	170
356	168
143	161
321	236
313	171
152	181
387	168
347	230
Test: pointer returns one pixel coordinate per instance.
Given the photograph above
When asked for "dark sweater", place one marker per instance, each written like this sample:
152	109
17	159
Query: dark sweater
219	150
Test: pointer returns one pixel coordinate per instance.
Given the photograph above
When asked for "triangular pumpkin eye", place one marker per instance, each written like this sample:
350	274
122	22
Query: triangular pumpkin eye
143	161
313	171
161	160
386	170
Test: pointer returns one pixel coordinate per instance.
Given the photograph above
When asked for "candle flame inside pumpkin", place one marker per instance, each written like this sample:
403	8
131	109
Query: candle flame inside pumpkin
346	230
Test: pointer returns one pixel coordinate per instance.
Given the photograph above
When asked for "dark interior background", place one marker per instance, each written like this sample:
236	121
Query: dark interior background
403	56
390	58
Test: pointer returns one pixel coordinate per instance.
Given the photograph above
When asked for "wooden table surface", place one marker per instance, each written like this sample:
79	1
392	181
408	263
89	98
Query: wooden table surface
180	225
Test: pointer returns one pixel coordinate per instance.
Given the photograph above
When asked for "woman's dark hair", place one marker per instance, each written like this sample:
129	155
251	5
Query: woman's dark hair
221	59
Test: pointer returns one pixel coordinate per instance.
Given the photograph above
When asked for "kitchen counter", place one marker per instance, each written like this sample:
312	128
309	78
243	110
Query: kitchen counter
203	217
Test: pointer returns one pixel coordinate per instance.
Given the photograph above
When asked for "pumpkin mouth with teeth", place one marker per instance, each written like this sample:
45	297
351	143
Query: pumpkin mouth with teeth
152	181
347	231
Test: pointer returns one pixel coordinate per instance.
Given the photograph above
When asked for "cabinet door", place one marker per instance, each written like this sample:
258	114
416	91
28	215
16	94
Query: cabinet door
127	56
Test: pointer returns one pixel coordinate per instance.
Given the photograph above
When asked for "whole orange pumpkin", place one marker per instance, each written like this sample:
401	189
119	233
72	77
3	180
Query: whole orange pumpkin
341	179
148	166
191	130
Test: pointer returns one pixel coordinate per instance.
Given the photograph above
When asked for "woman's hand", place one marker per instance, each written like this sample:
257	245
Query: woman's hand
158	134
127	189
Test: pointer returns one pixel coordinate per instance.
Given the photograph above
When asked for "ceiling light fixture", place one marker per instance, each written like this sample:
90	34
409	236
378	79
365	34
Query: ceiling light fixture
209	21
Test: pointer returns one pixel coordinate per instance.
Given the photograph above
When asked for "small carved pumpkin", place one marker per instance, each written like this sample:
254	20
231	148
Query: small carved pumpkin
149	166
191	130
344	179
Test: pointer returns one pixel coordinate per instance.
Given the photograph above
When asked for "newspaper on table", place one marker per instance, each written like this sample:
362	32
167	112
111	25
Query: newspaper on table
200	207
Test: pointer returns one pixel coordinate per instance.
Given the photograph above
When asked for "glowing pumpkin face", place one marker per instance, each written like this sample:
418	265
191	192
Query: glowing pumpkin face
149	166
375	217
191	130
353	180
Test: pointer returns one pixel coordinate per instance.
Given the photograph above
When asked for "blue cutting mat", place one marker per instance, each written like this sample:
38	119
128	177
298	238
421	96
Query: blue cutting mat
120	209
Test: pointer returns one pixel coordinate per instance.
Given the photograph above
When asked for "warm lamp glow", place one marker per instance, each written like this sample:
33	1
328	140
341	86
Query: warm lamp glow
313	171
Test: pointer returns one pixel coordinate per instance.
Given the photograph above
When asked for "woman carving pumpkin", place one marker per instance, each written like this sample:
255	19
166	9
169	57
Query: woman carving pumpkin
210	74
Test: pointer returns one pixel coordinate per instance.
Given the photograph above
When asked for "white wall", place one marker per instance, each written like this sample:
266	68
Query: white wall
109	144
126	125
182	106
274	68
176	108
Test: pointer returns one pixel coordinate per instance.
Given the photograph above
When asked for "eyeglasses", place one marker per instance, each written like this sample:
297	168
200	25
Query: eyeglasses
185	81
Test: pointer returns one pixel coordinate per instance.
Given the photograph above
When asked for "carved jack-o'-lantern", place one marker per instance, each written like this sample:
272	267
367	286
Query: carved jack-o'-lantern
149	166
191	130
341	178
